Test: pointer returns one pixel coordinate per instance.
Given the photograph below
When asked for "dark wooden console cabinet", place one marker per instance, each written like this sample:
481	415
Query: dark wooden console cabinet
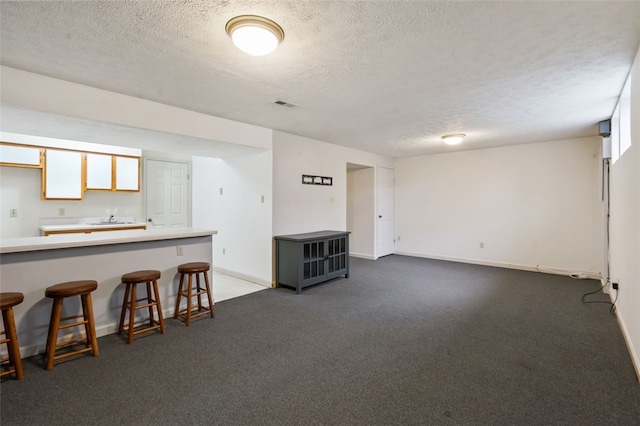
303	260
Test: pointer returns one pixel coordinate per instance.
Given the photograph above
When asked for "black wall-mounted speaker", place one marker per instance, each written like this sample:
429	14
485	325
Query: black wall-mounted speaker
604	128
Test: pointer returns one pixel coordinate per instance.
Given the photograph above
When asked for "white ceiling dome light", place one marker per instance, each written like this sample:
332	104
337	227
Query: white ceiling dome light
254	35
453	139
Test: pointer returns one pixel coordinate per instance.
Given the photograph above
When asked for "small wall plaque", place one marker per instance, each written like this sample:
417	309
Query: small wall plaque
317	180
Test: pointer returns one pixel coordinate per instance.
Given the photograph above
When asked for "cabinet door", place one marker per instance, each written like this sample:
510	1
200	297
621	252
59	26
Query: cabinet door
99	171
337	256
62	175
19	156
313	260
127	174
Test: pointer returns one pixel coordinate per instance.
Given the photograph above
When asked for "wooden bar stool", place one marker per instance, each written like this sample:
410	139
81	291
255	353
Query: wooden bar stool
14	362
132	279
58	293
191	311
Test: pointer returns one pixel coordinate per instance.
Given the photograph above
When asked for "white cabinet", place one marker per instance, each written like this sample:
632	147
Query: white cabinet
66	174
62	175
112	172
127	171
99	171
19	155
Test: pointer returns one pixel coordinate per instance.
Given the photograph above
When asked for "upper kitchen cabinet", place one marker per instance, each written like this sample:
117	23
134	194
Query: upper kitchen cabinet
99	171
112	172
62	175
20	155
127	173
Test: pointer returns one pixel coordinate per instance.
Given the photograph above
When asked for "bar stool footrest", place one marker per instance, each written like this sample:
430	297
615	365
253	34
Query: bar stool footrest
195	312
143	328
71	353
9	371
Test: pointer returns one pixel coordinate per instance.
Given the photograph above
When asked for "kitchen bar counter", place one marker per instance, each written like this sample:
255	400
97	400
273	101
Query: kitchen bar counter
54	242
30	265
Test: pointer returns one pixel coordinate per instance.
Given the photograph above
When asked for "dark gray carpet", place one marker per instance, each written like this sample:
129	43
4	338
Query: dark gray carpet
403	341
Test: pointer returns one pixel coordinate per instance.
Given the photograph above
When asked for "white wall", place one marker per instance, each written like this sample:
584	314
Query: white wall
301	208
21	188
625	227
240	216
361	212
530	205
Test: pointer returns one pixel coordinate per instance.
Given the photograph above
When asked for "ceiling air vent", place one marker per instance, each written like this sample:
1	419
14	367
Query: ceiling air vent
284	103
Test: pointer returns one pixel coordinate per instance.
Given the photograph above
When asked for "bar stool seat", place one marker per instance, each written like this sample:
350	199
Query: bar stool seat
131	303
58	293
194	311
14	361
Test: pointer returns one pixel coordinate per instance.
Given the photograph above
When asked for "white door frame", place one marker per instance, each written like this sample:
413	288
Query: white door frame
387	211
148	180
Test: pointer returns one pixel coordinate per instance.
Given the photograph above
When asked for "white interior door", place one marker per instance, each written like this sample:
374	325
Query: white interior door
167	194
385	232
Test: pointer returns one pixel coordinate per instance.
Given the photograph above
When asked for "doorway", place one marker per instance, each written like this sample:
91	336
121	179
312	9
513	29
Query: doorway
361	210
385	239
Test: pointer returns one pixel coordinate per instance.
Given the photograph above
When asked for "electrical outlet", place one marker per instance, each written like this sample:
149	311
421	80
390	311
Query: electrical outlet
224	250
398	237
614	286
481	244
262	199
221	191
179	250
332	200
13	212
62	211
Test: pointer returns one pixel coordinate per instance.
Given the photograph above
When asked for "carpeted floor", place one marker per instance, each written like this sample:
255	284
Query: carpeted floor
403	341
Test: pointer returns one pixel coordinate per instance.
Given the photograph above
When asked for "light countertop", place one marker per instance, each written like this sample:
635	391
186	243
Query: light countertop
91	226
60	241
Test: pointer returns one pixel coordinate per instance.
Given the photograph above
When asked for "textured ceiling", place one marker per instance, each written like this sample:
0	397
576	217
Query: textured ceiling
388	77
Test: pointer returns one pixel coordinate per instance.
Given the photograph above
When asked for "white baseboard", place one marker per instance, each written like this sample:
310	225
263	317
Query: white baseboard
635	360
362	256
241	276
536	268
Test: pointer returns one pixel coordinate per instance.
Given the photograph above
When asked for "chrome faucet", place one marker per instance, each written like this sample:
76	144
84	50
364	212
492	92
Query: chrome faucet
111	218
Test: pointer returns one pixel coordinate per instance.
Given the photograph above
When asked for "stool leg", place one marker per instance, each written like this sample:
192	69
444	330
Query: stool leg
189	297
158	306
150	302
132	312
176	313
54	325
90	326
14	346
198	290
125	304
206	283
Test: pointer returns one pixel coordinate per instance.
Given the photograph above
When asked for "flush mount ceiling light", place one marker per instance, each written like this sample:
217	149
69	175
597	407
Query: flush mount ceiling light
254	35
453	139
